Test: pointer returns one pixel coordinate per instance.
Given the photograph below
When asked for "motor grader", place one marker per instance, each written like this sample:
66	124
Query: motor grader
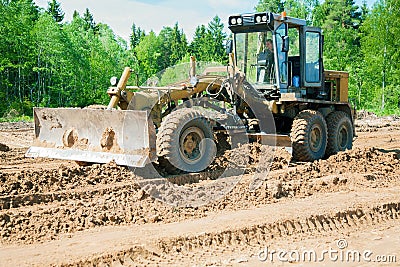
279	94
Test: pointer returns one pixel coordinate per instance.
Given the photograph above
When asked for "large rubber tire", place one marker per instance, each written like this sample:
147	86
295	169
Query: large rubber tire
309	136
185	139
340	132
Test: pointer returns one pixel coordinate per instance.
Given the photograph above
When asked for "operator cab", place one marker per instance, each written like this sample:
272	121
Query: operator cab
278	54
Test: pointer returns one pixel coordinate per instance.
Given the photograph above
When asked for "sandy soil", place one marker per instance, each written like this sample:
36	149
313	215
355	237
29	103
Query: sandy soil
58	213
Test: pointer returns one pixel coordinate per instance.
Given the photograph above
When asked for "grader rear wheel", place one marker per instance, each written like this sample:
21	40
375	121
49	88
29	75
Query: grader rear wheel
185	139
340	132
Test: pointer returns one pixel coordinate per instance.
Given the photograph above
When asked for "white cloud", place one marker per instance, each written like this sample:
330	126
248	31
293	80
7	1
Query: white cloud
231	4
154	15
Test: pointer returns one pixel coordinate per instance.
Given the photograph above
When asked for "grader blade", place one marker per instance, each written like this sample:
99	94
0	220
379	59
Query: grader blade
93	135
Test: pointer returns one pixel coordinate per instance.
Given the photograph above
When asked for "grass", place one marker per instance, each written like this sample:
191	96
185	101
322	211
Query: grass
23	118
385	112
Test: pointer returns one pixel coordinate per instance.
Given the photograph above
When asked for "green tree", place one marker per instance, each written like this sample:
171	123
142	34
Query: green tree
199	44
95	58
301	9
208	42
381	54
17	59
136	36
217	36
51	61
43	64
173	46
75	15
339	20
148	53
90	23
54	9
275	6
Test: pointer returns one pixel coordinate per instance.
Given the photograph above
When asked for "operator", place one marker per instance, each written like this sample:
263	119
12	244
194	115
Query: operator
265	62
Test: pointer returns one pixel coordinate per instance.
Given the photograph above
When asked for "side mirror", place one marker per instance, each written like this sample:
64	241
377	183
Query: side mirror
285	44
229	46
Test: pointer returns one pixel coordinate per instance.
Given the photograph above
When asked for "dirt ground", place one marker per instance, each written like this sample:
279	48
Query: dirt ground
55	212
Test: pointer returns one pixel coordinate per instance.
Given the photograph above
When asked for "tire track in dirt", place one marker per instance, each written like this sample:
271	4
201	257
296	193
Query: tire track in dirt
339	221
340	212
184	248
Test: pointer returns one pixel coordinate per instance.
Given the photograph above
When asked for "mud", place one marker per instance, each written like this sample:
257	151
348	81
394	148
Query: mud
42	205
4	148
43	199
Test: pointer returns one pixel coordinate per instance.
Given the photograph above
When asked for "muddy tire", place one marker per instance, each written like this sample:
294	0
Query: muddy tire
185	139
309	136
340	132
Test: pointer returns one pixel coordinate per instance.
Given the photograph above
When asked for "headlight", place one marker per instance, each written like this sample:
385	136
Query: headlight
114	81
239	20
194	81
233	21
258	19
264	18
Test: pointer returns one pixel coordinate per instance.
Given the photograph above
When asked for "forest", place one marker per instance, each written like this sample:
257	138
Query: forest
48	62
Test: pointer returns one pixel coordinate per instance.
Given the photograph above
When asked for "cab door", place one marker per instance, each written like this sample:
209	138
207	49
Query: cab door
311	57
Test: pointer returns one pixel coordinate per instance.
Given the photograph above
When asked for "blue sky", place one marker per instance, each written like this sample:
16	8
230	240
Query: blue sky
153	15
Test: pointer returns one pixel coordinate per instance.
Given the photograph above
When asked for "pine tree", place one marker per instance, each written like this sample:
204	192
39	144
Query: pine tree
178	44
90	23
340	21
173	46
275	6
218	36
54	9
196	46
208	42
136	35
75	15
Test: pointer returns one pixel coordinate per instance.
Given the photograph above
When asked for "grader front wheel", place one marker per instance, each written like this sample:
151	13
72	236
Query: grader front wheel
185	139
309	136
